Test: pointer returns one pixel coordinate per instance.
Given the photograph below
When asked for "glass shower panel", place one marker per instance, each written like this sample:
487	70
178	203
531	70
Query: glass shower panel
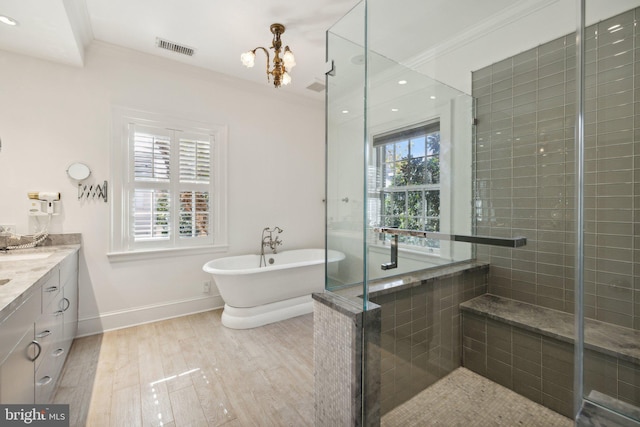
507	68
419	134
611	310
345	149
409	82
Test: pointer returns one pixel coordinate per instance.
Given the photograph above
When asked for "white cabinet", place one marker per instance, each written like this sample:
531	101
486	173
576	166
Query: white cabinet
69	280
35	339
49	334
59	321
18	352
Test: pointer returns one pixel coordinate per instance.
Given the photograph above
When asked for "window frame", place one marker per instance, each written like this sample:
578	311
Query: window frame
123	247
379	143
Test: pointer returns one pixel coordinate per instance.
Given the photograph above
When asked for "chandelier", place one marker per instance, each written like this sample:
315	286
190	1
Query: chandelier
281	66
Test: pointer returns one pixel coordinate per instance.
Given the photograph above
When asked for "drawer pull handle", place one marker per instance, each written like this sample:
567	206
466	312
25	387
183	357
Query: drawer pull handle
66	300
44	380
51	289
58	352
44	333
39	347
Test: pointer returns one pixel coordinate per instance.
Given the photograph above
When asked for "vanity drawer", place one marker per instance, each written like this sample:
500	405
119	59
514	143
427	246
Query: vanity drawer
48	372
69	269
13	327
49	331
50	287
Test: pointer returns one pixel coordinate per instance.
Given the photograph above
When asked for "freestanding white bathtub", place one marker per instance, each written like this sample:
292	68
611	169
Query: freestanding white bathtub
255	296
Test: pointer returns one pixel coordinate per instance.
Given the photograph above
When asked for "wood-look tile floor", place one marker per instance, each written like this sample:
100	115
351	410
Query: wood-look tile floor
192	371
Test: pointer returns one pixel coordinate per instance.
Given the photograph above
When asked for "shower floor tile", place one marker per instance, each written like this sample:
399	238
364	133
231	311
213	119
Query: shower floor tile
464	398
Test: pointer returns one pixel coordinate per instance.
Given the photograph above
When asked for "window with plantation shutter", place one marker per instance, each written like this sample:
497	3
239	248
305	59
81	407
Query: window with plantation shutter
173	182
195	161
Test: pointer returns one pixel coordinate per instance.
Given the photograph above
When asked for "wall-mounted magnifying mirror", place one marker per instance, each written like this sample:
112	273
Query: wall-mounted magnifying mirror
78	171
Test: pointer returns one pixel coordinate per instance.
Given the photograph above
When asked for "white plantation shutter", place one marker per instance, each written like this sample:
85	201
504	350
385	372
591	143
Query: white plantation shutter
195	174
151	211
169	186
194	214
195	161
151	157
170	179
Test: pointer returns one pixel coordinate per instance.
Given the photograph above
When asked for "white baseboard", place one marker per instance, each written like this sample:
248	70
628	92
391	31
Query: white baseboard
252	317
146	314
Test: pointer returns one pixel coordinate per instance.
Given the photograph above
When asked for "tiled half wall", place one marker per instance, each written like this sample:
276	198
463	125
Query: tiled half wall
342	334
420	331
524	160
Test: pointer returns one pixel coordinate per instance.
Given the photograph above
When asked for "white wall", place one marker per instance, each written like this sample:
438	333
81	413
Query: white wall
52	115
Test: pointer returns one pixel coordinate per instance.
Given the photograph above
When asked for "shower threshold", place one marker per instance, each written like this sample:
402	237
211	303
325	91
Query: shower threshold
464	398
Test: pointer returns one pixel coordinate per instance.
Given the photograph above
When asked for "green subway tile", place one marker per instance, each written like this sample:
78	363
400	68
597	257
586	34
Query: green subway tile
529	363
552	47
629	373
614	317
522	58
616	62
499	372
628	393
562	405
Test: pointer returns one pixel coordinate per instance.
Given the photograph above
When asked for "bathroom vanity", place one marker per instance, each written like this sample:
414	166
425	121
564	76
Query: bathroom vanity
38	320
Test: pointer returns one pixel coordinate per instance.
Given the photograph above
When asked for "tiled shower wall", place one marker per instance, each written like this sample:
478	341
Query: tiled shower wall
420	332
524	160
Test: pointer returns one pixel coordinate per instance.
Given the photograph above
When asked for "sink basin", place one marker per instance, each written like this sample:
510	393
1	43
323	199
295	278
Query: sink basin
4	281
23	257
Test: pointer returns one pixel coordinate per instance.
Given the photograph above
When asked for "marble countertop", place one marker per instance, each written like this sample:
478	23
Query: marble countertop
24	274
397	283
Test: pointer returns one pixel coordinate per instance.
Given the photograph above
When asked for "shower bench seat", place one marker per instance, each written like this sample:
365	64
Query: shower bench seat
529	349
606	338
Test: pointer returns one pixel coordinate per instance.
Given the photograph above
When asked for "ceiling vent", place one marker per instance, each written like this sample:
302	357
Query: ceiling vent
174	47
316	87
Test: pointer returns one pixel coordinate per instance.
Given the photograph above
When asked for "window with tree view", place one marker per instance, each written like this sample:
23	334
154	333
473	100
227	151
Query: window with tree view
408	181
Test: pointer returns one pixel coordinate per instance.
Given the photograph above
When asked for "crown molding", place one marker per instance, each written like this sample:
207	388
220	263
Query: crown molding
497	21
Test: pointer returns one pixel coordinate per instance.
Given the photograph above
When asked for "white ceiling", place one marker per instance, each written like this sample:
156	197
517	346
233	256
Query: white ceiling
61	30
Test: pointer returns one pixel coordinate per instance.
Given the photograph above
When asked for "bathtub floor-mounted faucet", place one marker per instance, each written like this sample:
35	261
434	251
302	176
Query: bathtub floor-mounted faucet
269	241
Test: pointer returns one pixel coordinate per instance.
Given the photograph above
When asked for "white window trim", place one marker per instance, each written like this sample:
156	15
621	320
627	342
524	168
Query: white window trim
119	249
408	247
452	158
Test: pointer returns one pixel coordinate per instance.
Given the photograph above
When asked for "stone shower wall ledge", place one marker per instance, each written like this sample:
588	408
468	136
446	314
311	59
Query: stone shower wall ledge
393	284
613	340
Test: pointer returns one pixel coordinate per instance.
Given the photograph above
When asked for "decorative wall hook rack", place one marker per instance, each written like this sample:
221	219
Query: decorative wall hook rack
97	191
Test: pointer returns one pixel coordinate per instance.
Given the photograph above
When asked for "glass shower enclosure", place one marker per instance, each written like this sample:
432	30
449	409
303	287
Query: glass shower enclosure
452	141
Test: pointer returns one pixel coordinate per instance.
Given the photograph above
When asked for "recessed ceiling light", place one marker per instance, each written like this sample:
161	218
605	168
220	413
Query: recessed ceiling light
394	109
8	20
345	111
402	82
432	97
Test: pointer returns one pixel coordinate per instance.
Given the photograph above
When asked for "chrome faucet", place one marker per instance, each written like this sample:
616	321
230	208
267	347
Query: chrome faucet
270	242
